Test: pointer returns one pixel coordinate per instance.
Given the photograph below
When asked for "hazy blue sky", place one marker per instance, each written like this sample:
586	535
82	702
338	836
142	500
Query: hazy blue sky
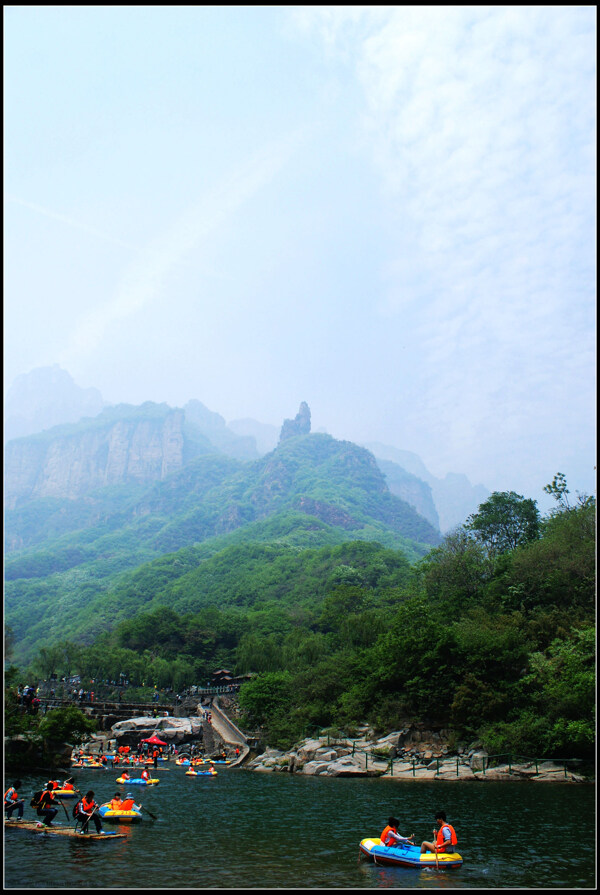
387	212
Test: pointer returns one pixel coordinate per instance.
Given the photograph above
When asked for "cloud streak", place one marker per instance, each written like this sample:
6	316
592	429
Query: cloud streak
69	221
145	278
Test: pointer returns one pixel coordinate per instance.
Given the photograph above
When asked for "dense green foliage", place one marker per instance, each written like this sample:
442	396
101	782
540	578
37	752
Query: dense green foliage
497	644
303	570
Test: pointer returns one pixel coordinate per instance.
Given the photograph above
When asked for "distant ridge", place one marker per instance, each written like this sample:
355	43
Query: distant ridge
454	496
46	397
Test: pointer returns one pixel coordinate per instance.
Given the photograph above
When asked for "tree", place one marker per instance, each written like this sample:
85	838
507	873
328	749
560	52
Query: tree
505	521
456	571
68	725
558	490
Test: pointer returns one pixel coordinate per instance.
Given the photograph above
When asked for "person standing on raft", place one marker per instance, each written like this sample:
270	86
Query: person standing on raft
445	837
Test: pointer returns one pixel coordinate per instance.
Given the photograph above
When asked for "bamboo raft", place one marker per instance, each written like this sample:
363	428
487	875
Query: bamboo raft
34	827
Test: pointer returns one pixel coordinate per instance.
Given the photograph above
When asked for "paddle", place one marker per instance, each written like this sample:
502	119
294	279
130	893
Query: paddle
86	823
64	809
153	816
436	850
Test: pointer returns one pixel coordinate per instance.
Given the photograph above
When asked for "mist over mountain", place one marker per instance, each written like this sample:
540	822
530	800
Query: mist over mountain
46	397
124	445
454	496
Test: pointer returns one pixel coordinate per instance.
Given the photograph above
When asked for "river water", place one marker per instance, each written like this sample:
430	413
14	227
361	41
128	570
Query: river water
246	830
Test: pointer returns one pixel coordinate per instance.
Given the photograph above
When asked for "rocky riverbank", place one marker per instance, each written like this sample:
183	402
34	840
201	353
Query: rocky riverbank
409	754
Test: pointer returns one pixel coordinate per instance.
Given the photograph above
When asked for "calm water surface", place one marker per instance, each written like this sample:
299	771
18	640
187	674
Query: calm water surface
245	830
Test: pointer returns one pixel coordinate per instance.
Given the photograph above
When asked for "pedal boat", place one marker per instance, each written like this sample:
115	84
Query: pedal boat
407	855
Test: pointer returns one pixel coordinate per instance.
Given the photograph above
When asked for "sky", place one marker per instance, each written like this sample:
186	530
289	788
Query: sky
386	212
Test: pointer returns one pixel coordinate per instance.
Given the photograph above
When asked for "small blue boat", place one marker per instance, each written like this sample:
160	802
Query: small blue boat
407	855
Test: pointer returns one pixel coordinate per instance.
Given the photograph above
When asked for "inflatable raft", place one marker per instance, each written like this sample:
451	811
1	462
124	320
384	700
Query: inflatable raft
119	816
138	781
407	855
192	773
65	793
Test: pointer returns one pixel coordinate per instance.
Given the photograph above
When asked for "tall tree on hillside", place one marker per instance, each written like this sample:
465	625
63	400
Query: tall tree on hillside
505	521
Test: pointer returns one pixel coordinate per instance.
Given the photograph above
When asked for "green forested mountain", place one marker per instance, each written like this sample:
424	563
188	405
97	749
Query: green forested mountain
491	633
311	491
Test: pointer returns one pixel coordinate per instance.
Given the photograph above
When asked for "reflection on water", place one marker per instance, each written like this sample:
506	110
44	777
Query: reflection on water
255	830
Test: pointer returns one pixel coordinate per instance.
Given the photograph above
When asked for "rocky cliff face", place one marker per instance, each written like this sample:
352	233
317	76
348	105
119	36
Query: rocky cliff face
300	425
70	464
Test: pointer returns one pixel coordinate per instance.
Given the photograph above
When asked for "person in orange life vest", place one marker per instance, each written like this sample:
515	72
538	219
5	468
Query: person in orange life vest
69	784
145	775
390	835
129	805
116	803
155	755
125	776
46	807
86	810
12	801
445	838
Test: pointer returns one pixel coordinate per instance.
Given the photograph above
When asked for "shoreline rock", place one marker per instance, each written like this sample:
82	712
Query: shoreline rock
403	755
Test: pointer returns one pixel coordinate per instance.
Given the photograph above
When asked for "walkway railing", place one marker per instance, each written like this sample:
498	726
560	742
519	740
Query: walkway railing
487	762
511	759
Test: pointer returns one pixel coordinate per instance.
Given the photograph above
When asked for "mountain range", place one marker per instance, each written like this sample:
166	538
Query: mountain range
99	509
48	397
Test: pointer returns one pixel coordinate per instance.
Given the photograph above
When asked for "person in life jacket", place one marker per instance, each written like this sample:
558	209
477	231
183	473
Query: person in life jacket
128	804
69	784
45	806
12	801
390	835
87	809
445	837
116	803
145	775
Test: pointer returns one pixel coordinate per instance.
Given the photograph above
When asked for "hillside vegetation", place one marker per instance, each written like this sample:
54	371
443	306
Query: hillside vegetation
105	557
492	632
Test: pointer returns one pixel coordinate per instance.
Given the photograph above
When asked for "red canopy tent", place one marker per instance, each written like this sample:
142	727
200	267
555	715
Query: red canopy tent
155	741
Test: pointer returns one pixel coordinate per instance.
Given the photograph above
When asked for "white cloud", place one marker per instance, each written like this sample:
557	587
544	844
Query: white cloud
482	123
145	278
